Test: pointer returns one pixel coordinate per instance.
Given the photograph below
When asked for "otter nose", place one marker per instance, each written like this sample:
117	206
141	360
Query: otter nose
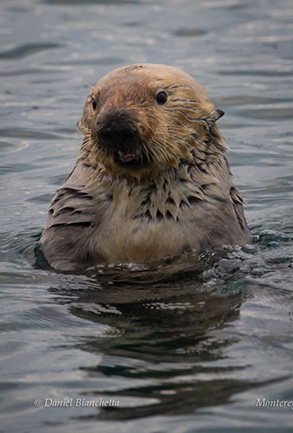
116	128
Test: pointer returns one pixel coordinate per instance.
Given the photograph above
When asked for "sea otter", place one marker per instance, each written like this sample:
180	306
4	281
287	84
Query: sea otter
152	179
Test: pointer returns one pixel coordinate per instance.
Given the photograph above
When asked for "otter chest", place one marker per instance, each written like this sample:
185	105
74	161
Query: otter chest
145	224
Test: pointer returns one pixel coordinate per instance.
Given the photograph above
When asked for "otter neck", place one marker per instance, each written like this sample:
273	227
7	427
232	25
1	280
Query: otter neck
167	196
200	155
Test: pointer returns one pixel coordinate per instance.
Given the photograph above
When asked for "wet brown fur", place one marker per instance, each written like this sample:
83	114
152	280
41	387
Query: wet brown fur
181	198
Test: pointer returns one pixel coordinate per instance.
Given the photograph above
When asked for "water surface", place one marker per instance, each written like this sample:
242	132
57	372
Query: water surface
185	347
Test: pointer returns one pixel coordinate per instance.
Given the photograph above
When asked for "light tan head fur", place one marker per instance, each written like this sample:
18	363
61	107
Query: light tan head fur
163	134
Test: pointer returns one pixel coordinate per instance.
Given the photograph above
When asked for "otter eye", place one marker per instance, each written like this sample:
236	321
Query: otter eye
161	98
94	104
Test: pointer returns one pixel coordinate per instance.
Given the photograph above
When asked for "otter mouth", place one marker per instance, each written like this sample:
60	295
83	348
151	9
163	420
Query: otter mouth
129	157
119	135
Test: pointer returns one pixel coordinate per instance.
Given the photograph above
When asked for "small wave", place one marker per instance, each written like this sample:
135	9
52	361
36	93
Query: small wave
26	50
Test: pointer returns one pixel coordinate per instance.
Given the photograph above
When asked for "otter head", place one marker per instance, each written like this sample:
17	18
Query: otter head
140	120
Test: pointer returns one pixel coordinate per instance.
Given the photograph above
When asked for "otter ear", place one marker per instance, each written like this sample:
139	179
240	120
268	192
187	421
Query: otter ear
213	116
220	113
81	127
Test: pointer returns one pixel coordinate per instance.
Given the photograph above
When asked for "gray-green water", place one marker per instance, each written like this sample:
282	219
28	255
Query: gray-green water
188	347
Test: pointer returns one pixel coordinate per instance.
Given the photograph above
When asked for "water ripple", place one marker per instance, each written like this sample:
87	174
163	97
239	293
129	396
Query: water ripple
27	50
187	342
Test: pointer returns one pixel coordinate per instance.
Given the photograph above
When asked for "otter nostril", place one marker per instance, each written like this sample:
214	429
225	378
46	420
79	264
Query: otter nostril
105	135
121	133
127	133
117	127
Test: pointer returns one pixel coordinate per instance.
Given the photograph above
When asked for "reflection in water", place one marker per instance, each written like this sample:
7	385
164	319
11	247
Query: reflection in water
162	339
169	342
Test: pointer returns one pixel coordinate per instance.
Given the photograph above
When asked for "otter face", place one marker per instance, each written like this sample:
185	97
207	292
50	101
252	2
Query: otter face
142	119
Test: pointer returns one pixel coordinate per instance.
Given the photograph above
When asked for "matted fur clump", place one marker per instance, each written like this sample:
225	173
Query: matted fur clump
152	180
